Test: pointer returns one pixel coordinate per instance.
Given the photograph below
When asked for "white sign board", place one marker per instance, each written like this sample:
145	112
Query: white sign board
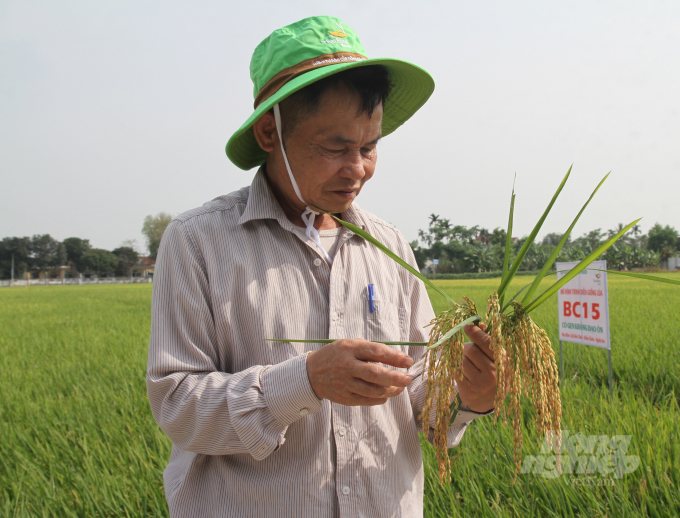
583	306
436	261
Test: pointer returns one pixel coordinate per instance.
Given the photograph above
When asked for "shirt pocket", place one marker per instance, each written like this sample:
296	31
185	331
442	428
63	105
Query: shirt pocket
387	322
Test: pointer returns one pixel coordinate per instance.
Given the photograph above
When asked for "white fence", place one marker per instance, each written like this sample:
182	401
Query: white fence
64	282
673	263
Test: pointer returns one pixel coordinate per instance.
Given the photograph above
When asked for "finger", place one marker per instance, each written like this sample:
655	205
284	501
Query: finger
377	352
483	327
470	370
482	380
464	383
461	372
379	375
475	354
371	390
479	337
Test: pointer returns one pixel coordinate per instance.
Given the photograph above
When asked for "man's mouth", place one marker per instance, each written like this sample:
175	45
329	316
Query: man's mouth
349	193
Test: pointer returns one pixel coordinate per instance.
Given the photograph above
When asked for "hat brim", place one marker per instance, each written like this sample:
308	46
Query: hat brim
411	88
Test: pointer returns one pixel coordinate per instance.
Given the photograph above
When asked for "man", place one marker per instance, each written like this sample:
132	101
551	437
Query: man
264	428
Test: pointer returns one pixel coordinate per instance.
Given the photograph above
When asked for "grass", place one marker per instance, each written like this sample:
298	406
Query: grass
78	438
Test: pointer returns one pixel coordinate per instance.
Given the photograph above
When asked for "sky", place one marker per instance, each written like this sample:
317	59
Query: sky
112	111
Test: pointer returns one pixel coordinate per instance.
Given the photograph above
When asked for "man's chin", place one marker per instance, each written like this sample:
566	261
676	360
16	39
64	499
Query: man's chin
335	206
339	208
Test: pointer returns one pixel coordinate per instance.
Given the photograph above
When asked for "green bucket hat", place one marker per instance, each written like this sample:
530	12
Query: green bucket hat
294	56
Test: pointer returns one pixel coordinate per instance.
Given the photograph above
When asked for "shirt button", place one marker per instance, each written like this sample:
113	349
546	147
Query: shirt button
334	316
317	262
345	490
304	412
342	431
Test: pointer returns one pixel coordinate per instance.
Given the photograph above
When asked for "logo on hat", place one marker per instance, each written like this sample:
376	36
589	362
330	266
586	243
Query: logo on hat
338	34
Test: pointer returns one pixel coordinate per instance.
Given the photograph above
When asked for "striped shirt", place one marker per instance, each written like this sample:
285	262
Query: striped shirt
250	437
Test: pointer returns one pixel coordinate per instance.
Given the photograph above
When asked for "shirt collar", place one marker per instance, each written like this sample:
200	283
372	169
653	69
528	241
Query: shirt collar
262	204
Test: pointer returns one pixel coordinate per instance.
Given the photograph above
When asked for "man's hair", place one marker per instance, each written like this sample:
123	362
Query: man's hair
371	83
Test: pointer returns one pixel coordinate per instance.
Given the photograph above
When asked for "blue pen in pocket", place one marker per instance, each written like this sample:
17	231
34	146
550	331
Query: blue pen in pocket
371	296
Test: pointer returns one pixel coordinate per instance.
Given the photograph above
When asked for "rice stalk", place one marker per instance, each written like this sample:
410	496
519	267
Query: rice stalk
531	370
443	363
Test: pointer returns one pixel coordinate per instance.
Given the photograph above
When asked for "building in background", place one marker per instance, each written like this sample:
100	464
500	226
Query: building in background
143	268
673	263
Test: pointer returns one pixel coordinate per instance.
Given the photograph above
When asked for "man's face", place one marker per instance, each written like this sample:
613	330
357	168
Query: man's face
333	152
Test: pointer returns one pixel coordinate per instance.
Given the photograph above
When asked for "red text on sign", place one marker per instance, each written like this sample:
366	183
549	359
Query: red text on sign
575	309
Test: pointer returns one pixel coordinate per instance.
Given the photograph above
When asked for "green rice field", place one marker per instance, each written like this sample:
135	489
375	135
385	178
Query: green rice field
78	438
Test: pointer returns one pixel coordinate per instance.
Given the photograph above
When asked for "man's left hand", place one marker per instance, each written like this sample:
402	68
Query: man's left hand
478	388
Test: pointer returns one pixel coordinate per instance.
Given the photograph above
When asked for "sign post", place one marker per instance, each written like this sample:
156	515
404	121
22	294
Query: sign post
561	366
435	262
583	310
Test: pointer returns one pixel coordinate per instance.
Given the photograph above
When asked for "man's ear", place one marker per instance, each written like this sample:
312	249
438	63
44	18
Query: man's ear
264	129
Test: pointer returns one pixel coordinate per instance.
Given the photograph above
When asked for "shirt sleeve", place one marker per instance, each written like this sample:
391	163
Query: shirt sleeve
201	409
421	315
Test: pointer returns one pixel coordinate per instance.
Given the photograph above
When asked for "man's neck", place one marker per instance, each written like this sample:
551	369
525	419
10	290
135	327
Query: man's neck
294	209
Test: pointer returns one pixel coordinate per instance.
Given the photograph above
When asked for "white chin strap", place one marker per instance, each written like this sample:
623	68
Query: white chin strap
309	214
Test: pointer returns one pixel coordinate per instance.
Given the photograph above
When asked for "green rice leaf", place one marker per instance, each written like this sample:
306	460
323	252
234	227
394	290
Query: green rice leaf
554	255
455	406
639	276
525	247
368	237
454	330
514	297
578	268
508	241
334	340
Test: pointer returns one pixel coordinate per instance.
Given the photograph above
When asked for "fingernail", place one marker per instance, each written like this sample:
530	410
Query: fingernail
408	361
408	378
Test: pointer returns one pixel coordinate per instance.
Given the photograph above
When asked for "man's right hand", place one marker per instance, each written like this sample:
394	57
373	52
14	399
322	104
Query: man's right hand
341	372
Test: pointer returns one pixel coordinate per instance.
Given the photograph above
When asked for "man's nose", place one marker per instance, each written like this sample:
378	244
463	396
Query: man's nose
355	166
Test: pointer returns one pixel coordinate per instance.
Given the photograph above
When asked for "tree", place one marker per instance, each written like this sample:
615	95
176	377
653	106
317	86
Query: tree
20	248
635	230
425	238
592	239
457	252
627	238
461	249
127	258
419	254
99	261
75	250
463	234
441	230
498	237
483	236
47	252
130	243
480	258
554	239
153	229
661	238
